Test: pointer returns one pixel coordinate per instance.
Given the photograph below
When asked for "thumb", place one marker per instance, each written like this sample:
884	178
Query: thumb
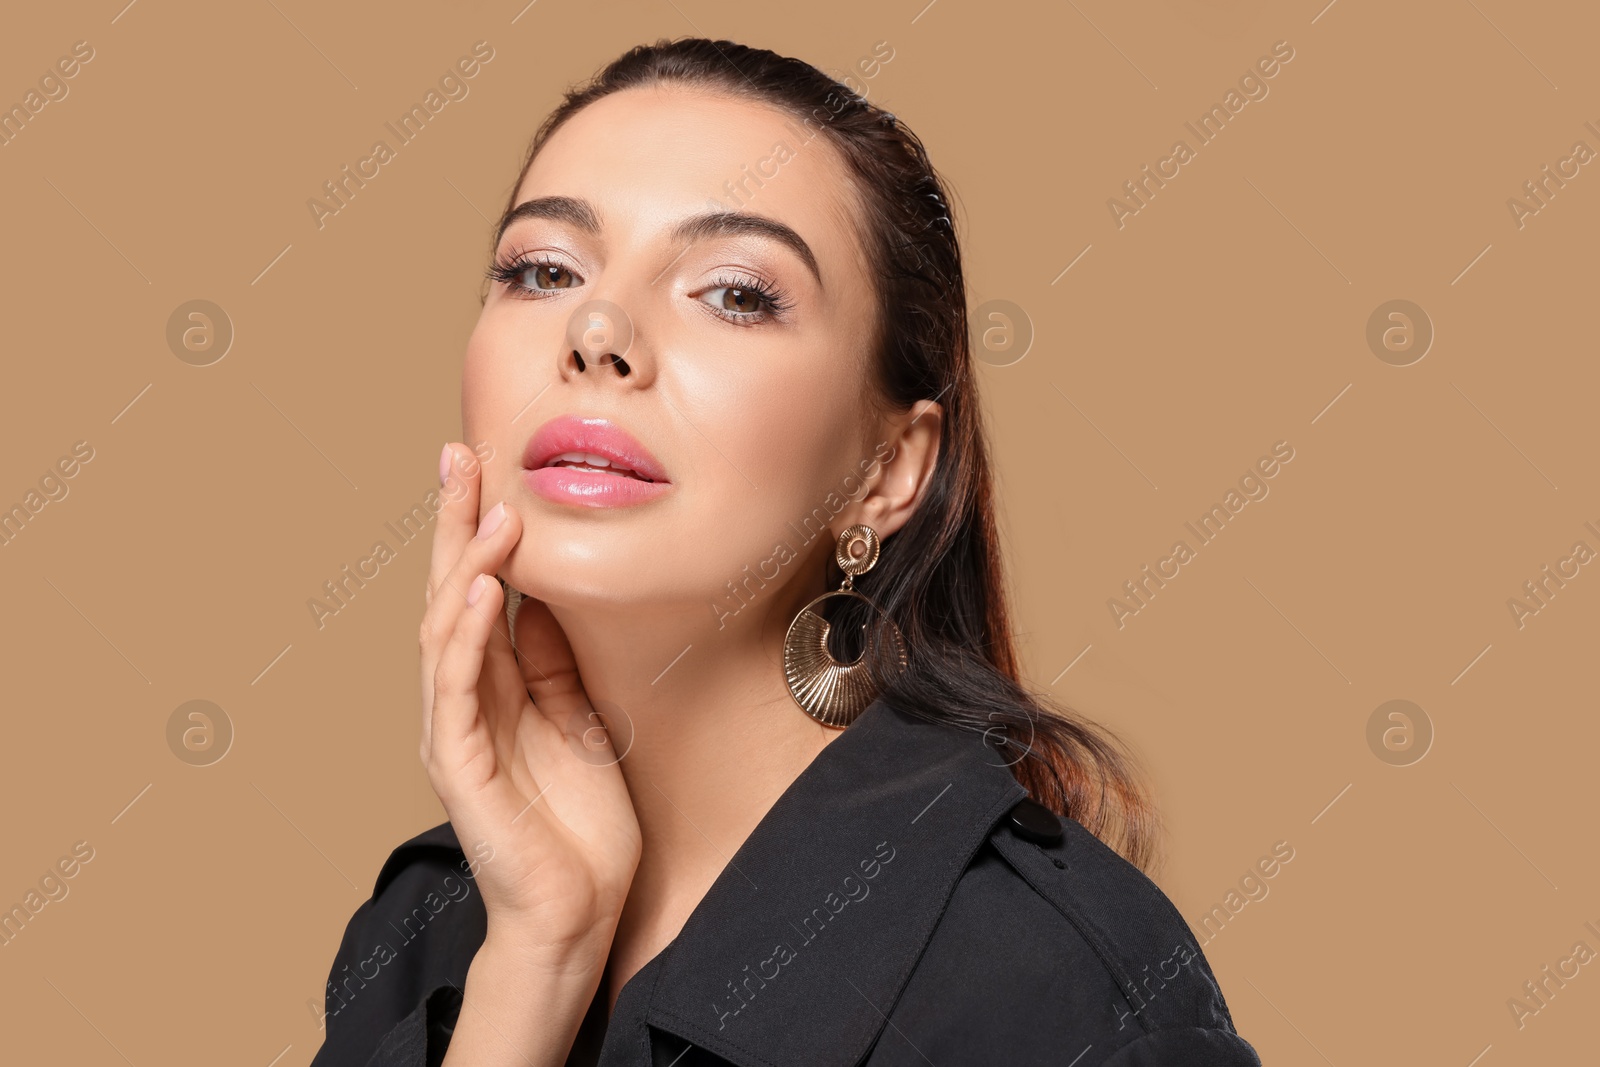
549	669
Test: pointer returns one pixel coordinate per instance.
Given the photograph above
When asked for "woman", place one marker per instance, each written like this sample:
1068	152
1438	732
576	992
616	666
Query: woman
699	812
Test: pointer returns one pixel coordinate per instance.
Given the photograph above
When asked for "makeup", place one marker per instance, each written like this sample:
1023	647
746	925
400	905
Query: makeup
591	462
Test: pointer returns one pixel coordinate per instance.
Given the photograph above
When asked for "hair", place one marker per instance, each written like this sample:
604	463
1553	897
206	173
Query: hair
940	578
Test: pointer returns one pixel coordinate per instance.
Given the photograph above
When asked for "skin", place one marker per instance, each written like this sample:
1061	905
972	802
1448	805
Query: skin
601	849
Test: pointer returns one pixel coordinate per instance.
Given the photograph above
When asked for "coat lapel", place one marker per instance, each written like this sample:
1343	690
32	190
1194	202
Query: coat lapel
797	953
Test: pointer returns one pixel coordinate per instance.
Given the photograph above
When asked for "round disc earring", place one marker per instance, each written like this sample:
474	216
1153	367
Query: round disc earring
830	691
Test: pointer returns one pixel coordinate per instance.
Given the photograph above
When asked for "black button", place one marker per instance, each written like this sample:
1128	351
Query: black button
1035	822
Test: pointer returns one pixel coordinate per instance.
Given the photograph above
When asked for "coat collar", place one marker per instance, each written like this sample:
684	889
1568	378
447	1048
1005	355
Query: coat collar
800	948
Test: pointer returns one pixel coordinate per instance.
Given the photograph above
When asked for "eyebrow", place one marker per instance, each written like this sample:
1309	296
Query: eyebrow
580	214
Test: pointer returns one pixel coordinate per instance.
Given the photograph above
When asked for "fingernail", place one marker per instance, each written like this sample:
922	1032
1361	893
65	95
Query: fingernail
491	522
444	463
475	590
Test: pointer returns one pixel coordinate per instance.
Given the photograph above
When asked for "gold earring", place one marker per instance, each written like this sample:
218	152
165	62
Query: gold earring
831	692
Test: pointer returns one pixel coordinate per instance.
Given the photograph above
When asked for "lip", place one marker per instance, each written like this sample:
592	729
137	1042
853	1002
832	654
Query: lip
569	485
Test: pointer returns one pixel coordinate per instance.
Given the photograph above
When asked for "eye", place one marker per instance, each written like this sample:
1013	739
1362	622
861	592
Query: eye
746	301
524	276
548	276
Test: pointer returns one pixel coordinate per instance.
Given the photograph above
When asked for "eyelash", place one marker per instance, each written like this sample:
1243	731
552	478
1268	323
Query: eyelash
508	271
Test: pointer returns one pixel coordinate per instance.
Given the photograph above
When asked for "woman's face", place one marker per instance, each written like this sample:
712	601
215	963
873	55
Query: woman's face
753	406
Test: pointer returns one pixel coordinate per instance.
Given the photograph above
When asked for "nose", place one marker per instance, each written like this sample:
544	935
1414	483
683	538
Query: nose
606	359
601	344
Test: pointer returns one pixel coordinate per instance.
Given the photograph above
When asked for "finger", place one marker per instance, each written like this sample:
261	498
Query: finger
505	679
549	669
457	520
459	500
483	553
455	683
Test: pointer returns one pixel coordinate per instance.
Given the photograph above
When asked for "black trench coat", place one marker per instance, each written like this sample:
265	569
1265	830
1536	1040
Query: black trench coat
903	902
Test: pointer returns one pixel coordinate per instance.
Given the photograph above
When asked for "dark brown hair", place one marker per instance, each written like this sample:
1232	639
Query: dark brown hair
940	578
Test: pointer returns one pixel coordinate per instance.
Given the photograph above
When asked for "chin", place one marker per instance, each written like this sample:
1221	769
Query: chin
571	579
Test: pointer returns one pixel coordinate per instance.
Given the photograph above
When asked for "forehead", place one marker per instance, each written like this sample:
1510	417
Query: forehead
648	156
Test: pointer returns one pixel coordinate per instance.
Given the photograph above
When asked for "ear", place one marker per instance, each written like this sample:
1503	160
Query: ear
906	455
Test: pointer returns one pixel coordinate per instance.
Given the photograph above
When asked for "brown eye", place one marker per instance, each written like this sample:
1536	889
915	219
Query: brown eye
548	276
745	302
524	277
741	300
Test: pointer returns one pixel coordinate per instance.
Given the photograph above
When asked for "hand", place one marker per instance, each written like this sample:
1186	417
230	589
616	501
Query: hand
512	748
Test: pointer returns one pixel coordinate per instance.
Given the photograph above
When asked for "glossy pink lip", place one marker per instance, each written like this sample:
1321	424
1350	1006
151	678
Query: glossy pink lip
570	485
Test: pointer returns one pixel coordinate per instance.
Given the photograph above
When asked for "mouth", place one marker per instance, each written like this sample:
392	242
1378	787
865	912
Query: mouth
592	462
592	444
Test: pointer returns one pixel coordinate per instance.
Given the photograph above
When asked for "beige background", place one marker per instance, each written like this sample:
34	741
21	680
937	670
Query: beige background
1228	314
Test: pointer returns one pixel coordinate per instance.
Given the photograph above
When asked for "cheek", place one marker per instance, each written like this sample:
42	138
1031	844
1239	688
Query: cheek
483	376
788	428
783	419
497	381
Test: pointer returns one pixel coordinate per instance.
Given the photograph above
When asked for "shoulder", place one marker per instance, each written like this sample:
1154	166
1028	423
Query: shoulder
405	951
1064	949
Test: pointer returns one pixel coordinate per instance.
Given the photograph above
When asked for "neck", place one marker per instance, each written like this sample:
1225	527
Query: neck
709	737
